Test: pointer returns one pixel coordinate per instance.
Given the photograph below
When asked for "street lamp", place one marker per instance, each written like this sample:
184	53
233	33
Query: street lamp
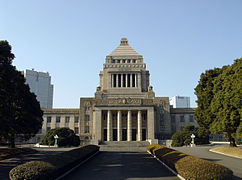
193	144
56	138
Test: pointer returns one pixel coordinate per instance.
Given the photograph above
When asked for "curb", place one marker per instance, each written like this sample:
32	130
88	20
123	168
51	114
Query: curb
175	173
72	169
224	154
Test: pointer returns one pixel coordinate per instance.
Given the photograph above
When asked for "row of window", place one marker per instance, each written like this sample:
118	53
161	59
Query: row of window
58	119
124	61
182	118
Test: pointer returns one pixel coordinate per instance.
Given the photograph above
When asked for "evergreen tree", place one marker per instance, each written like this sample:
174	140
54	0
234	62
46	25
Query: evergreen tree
204	92
226	104
219	102
20	113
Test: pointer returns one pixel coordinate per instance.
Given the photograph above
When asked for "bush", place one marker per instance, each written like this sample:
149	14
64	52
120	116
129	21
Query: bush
32	170
52	166
67	137
190	167
183	137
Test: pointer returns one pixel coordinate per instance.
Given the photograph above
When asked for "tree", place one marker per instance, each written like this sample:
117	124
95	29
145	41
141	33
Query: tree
67	137
226	104
219	101
20	113
204	92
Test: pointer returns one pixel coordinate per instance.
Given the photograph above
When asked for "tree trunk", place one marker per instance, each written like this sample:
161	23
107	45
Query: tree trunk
231	141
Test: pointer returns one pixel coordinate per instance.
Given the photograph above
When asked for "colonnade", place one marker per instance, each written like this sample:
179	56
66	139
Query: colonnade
120	128
124	80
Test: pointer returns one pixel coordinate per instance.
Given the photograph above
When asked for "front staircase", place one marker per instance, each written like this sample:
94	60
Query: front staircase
124	146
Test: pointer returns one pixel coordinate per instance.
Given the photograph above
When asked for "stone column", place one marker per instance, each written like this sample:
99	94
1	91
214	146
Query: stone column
129	126
126	76
131	80
139	138
109	127
119	126
135	80
150	124
139	80
121	79
117	80
97	126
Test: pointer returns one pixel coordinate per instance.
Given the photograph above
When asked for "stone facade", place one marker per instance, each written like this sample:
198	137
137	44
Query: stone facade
124	107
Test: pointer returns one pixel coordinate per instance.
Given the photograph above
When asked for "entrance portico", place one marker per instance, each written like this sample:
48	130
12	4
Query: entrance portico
123	123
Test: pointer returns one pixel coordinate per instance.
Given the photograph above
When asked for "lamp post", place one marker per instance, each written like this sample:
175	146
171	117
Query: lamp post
56	138
193	144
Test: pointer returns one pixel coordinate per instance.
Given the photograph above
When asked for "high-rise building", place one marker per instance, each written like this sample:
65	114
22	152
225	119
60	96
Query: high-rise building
180	102
40	85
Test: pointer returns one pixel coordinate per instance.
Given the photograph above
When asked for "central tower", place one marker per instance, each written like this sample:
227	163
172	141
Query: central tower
124	75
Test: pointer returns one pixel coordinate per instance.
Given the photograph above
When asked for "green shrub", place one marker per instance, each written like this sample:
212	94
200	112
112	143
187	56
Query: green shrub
183	137
67	137
32	170
190	167
52	166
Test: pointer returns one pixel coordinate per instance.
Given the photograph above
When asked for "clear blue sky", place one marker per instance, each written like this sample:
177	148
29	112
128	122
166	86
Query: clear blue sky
70	39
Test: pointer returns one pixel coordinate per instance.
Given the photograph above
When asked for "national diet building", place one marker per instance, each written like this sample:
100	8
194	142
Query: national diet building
124	107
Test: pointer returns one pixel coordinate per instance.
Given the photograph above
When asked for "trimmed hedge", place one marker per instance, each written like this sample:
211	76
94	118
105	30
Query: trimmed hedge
52	166
190	167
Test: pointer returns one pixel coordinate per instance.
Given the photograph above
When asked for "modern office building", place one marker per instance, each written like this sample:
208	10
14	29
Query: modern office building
180	102
124	106
40	85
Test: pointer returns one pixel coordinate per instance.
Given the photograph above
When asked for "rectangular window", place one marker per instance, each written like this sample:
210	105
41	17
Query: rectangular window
87	108
76	130
48	119
191	118
87	118
76	119
48	128
173	128
67	119
58	119
86	129
182	119
173	119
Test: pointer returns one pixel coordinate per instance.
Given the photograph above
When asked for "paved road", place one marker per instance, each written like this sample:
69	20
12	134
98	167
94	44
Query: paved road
120	166
235	164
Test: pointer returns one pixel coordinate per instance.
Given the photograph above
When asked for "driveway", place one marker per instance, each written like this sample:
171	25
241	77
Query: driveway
120	166
235	164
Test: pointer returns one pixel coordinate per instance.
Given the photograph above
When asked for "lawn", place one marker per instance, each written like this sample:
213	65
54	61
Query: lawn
234	151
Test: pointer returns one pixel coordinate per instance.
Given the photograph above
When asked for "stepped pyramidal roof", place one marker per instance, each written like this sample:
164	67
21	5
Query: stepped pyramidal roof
124	49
